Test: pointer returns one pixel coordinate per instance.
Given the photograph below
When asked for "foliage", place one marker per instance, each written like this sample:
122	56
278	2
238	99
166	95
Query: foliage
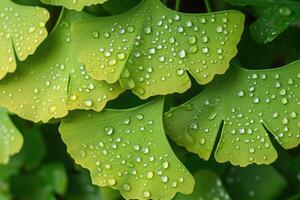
228	78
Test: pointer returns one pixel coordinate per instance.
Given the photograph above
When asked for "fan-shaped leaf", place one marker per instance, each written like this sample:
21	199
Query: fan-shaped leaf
127	150
52	82
22	29
73	4
150	47
208	186
246	101
11	139
276	16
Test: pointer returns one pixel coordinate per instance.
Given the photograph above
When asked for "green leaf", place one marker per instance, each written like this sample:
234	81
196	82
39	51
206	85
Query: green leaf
22	29
127	150
150	48
56	177
208	186
73	4
11	140
255	183
30	187
276	17
248	102
52	82
51	179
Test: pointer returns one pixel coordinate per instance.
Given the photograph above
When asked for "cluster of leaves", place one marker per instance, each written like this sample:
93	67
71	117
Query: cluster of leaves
44	171
96	73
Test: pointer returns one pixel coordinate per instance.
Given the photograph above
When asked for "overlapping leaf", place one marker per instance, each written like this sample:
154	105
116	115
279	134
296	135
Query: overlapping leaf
11	139
274	18
52	82
73	4
127	150
208	186
150	48
248	102
51	179
22	29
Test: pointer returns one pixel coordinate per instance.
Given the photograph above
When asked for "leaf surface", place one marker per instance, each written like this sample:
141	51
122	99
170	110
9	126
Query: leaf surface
11	140
52	82
22	29
249	103
127	150
276	16
73	4
150	48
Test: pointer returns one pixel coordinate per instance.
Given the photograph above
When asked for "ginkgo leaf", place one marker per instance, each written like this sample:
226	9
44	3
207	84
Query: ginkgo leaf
11	140
274	17
22	29
249	102
52	82
127	150
208	186
73	4
150	47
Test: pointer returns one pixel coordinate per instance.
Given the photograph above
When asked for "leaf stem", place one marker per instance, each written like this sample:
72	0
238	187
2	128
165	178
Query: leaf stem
177	5
207	5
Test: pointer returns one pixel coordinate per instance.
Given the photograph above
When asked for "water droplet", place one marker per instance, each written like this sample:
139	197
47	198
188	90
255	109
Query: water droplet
192	40
121	56
219	29
146	194
241	93
251	150
88	103
109	130
126	187
130	29
31	29
182	53
205	50
112	182
204	39
149	175
95	34
151	50
285	11
147	30
180	72
164	179
165	164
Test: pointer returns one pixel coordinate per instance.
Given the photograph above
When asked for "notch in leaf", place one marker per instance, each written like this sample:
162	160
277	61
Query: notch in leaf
52	82
22	29
150	47
73	4
127	150
250	103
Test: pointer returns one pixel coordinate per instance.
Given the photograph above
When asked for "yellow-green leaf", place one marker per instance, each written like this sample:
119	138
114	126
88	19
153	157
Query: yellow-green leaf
73	4
11	140
22	29
51	82
127	150
250	103
150	48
